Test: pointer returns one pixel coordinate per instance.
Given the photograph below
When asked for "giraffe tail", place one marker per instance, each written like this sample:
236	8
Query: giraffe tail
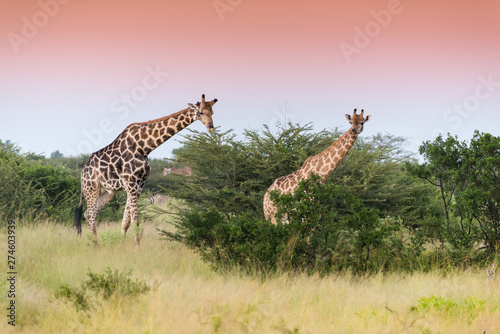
77	222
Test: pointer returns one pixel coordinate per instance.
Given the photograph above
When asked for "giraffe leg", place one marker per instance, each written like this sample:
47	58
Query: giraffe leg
126	217
134	217
133	190
135	211
91	212
131	215
96	200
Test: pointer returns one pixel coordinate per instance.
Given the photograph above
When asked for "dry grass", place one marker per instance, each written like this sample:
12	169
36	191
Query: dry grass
191	298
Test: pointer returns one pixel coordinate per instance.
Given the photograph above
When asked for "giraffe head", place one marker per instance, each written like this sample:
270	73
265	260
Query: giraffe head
357	121
204	112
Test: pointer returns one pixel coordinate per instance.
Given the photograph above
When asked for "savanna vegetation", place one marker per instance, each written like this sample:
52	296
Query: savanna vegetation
387	244
379	211
35	188
69	285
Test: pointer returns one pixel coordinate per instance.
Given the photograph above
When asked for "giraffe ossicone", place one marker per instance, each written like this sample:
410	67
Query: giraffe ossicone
124	165
322	164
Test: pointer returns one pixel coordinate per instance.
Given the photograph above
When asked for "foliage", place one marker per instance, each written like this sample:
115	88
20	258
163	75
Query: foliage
240	242
56	155
328	230
32	188
434	303
470	307
467	177
233	174
77	297
102	286
331	227
374	171
383	226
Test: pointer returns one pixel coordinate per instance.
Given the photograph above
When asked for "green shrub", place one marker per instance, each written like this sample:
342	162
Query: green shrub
115	283
470	307
78	297
333	229
233	172
328	230
379	210
33	189
466	176
111	284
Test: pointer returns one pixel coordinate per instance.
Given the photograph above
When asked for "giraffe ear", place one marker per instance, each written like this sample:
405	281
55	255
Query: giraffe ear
367	118
213	102
348	117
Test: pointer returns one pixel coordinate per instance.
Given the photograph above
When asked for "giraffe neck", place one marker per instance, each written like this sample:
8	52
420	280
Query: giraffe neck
144	137
325	163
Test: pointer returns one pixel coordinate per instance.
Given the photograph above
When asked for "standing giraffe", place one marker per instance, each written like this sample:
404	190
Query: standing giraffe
322	164
123	164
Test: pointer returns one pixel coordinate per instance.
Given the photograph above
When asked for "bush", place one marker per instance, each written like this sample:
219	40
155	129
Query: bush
469	308
382	227
375	212
111	284
33	189
328	230
233	174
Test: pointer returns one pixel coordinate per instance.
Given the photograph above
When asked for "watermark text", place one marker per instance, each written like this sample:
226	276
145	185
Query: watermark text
31	26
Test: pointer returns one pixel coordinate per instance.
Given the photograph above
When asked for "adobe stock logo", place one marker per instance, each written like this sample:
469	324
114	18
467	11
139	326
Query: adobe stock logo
485	88
364	36
30	26
223	6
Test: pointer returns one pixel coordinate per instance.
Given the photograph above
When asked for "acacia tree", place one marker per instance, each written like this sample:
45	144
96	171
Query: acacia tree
467	176
443	161
224	218
232	174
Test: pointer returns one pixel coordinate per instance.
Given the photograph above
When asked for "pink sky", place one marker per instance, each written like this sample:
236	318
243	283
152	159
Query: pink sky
252	55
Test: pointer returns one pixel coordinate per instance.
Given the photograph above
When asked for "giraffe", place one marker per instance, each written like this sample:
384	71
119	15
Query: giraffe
123	164
322	164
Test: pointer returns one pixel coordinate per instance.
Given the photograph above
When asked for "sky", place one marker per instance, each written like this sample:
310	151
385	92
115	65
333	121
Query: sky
74	74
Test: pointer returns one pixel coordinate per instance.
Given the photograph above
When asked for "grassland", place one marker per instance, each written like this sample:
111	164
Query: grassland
188	297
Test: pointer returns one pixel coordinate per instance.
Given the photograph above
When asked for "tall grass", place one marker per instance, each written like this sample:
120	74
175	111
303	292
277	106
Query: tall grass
188	297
